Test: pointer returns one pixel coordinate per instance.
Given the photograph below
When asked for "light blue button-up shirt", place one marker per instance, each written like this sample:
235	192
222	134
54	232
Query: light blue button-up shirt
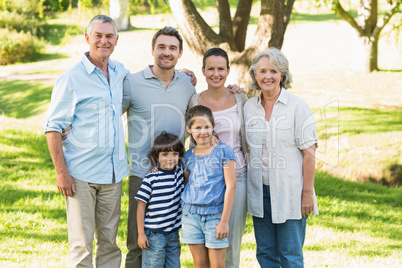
95	150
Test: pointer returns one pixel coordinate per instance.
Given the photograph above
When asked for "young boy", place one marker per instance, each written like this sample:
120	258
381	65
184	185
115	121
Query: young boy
159	199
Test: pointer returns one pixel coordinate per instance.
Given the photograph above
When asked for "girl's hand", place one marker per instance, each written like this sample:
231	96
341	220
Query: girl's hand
143	241
222	230
154	169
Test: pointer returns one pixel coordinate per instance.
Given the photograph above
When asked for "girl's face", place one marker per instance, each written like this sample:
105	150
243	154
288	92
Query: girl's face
268	76
215	71
201	130
168	160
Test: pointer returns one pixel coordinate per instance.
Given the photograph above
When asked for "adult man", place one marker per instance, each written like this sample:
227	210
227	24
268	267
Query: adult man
156	99
92	160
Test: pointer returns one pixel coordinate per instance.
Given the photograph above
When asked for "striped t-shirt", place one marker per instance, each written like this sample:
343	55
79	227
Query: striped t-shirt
162	192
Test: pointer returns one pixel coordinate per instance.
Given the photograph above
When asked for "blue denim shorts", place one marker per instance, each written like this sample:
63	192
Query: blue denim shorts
201	229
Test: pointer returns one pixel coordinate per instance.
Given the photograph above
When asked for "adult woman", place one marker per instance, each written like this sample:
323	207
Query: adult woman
282	137
227	109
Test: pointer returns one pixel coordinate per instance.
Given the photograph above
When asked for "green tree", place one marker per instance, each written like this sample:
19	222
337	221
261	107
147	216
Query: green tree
272	23
368	24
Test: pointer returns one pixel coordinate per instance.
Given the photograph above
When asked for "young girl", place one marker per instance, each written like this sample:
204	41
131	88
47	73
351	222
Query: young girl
208	197
159	200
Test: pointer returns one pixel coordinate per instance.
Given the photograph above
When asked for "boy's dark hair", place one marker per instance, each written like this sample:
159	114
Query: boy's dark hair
165	142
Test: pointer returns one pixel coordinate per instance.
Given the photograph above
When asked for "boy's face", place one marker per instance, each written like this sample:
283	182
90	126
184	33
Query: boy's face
168	160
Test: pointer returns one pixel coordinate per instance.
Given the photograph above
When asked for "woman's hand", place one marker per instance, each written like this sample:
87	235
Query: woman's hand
307	203
222	230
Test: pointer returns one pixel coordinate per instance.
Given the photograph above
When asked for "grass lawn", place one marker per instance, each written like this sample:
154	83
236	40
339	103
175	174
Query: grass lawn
360	139
359	223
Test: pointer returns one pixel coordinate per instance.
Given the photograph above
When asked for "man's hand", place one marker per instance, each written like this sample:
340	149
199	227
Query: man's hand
65	132
65	184
190	73
235	89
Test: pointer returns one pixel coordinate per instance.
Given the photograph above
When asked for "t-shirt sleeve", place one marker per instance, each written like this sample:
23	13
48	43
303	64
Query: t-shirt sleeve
144	193
228	154
127	93
305	130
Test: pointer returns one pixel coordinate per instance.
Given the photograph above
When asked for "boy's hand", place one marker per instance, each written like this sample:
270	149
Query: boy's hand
222	230
143	241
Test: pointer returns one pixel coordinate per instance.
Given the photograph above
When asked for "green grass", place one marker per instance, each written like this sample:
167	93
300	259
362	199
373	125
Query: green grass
20	99
357	220
356	120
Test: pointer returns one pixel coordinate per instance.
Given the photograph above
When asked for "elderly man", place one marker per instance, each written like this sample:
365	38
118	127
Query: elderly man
92	161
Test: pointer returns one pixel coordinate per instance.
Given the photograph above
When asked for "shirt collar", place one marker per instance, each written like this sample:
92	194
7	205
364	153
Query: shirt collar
283	97
149	74
90	67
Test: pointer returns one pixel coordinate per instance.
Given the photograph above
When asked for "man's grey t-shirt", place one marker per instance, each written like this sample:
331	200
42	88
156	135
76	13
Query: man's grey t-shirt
151	109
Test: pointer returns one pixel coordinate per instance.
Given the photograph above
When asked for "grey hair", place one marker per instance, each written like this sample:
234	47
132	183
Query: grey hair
101	19
167	30
278	60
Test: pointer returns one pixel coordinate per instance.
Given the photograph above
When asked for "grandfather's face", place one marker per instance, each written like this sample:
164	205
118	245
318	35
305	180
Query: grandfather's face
166	51
102	40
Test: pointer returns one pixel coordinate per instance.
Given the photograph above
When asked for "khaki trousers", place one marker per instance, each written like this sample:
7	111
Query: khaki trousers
94	211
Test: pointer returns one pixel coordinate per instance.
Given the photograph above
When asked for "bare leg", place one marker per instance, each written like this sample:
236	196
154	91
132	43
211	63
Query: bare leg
217	257
200	255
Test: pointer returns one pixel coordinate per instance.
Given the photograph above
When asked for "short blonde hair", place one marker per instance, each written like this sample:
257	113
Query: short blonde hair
278	60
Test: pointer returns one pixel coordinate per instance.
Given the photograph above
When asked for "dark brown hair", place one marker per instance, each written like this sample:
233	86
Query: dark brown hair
165	142
199	110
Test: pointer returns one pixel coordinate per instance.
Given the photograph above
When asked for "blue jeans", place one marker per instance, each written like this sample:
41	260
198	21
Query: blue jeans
278	245
163	251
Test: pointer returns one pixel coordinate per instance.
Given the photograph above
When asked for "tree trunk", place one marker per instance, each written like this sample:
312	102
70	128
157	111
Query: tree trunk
368	28
366	54
119	12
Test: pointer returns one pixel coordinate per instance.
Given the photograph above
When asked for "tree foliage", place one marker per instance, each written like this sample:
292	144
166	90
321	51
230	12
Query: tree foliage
369	23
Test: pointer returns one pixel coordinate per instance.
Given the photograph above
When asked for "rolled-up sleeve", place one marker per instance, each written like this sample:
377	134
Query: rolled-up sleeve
62	106
305	130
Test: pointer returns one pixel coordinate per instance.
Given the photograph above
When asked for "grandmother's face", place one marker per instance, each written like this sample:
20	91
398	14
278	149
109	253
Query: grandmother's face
268	77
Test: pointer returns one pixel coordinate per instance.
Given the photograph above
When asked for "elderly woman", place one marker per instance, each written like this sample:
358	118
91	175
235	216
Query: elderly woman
281	134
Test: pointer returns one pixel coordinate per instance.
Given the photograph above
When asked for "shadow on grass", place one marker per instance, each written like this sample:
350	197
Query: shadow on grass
20	99
50	56
353	206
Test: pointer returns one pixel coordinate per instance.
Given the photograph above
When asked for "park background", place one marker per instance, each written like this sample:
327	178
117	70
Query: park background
358	115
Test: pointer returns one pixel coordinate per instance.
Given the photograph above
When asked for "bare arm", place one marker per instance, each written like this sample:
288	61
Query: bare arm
142	238
229	172
186	176
308	180
65	182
